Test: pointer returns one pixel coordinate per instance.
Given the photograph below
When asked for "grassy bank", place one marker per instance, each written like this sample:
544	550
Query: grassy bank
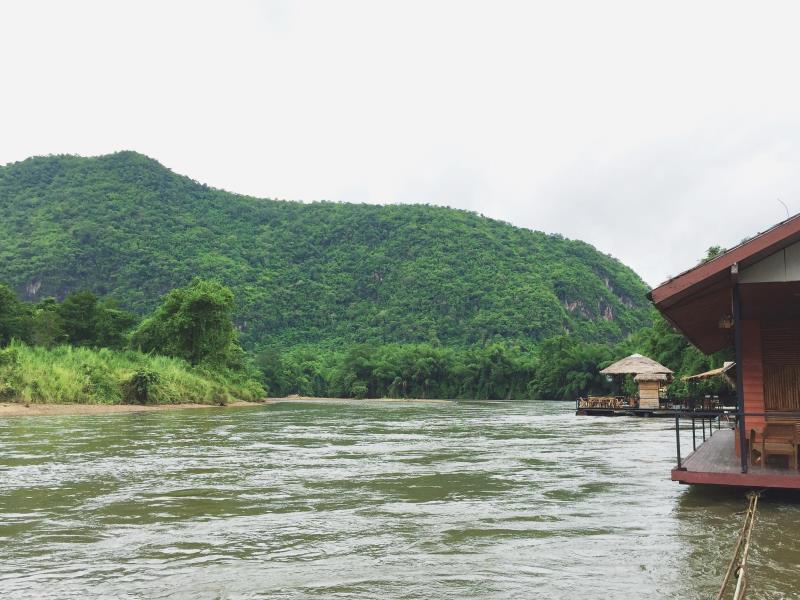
66	374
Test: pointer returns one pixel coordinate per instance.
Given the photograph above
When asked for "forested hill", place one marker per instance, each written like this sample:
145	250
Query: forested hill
323	273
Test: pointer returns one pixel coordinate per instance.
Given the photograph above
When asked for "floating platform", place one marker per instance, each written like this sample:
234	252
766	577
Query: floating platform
715	463
626	412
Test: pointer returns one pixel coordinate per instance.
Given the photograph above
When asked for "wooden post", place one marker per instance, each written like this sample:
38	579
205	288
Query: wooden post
737	337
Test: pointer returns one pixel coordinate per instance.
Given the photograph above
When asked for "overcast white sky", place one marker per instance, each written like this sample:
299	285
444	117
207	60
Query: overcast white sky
649	129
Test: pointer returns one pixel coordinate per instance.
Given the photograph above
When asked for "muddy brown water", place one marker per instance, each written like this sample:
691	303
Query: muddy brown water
369	500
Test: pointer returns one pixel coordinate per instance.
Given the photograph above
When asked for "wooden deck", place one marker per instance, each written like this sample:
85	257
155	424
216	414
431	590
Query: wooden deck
715	463
626	412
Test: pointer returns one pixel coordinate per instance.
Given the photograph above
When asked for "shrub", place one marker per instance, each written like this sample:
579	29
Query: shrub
141	387
101	385
359	389
9	376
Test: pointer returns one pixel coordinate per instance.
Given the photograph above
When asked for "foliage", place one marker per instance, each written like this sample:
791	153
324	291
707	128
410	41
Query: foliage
332	299
12	316
567	369
193	323
321	275
9	365
401	371
87	321
46	324
140	387
81	320
69	374
713	252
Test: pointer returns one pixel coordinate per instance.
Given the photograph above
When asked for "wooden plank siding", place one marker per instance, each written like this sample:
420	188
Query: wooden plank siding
752	372
648	394
781	357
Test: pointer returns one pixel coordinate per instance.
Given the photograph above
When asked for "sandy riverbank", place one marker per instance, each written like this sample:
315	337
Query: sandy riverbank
12	409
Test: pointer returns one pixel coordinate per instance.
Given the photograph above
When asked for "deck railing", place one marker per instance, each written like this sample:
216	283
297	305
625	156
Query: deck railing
707	420
606	402
696	404
733	419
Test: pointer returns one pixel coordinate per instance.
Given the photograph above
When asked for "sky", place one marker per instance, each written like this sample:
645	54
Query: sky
651	130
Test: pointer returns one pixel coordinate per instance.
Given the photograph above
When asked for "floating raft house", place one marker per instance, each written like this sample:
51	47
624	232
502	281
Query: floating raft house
746	299
648	374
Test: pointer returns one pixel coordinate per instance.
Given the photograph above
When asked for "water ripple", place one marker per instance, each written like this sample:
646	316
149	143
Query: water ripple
462	500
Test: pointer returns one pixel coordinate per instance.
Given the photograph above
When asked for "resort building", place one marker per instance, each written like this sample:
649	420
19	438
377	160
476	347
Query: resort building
650	377
748	299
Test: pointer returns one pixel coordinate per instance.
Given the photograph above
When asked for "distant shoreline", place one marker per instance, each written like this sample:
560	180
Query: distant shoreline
321	399
16	409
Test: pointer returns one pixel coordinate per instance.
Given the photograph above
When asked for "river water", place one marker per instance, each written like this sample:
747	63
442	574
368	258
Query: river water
369	500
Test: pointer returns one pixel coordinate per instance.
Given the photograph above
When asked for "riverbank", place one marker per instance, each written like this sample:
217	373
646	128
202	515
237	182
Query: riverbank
14	409
355	400
72	375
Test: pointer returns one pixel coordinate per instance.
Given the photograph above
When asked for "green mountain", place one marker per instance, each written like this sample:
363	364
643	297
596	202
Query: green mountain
323	273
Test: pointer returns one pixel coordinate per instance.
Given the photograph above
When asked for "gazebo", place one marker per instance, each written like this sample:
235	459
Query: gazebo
648	374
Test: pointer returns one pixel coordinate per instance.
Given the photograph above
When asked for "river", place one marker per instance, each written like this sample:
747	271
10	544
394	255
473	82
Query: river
369	500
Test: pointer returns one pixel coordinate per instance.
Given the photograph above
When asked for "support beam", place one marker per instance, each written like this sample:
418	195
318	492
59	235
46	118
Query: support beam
737	336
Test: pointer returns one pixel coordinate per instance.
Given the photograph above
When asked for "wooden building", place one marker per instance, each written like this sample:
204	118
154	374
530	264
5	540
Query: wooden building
748	299
650	385
649	375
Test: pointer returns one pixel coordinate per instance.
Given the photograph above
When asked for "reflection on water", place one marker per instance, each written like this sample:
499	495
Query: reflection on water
463	500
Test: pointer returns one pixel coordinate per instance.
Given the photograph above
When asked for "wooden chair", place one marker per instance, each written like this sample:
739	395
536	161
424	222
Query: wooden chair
779	439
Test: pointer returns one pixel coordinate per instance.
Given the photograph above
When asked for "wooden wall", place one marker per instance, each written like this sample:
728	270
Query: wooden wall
648	394
781	356
752	372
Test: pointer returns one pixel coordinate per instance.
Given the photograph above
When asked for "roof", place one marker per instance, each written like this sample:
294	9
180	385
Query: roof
698	301
651	377
759	246
723	370
635	364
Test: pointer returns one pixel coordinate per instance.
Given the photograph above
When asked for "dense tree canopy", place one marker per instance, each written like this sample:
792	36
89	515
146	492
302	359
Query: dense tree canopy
12	316
123	226
331	299
82	319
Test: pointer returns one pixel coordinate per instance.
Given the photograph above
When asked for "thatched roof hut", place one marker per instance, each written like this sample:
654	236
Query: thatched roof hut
636	364
649	375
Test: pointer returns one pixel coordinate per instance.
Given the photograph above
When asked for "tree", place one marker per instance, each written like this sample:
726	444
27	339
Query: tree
112	324
193	323
78	317
88	321
47	326
567	369
12	316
